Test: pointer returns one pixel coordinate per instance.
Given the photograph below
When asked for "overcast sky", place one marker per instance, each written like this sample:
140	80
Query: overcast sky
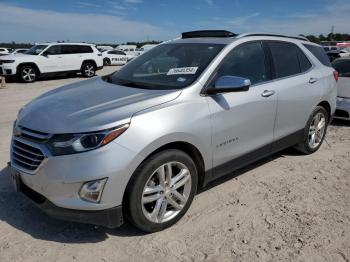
116	21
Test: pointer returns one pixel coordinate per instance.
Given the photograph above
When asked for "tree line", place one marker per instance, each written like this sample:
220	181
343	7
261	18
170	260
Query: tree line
329	37
15	45
312	38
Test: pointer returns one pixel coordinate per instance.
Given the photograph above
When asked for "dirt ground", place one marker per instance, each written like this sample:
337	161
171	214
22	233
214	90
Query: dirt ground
287	207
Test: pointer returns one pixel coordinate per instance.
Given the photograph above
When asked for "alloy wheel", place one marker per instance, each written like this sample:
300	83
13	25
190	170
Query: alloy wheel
28	74
89	70
317	130
166	192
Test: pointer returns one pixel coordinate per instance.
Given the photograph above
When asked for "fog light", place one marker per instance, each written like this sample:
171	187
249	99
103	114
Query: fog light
92	191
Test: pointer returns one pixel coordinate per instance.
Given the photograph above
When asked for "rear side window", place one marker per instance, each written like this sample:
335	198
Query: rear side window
68	49
285	59
246	60
85	49
319	53
303	61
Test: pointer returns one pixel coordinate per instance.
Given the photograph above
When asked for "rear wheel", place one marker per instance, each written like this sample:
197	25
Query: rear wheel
161	190
27	74
88	69
106	61
315	131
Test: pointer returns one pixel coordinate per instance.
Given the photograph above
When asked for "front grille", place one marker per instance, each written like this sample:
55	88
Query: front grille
26	156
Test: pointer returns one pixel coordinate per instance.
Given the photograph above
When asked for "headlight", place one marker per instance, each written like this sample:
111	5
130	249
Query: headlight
76	143
7	61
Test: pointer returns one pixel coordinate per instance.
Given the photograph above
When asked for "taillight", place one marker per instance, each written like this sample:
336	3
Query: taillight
336	75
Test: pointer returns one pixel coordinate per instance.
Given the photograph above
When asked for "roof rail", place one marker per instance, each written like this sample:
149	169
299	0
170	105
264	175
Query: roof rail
208	33
271	34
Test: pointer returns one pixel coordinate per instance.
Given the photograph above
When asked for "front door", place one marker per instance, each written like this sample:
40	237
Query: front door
242	122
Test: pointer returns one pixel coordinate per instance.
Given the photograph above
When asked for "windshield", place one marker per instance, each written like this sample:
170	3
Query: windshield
35	50
168	66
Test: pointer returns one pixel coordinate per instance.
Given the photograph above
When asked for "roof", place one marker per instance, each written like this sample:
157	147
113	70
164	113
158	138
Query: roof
69	43
228	39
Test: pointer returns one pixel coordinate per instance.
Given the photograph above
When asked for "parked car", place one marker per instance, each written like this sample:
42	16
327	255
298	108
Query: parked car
52	59
344	53
103	48
19	51
130	50
146	48
137	145
333	52
114	57
5	51
342	65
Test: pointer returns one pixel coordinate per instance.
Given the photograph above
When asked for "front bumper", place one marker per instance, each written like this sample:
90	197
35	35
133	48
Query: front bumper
111	218
343	108
60	178
7	69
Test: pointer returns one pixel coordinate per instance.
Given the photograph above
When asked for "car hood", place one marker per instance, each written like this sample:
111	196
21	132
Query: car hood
13	56
89	105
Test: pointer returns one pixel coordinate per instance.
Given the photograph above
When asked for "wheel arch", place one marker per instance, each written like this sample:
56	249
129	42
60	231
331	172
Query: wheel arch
189	149
29	63
186	147
89	61
326	106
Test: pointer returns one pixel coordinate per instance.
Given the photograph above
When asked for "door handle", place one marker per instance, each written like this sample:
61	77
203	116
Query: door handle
268	93
312	80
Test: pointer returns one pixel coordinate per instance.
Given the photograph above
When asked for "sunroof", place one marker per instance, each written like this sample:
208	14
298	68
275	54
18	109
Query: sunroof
208	33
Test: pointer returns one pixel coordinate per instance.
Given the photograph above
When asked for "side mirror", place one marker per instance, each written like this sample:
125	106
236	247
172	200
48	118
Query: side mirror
46	53
226	84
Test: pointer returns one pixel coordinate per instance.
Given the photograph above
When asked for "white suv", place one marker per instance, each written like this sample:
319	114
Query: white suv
52	58
5	51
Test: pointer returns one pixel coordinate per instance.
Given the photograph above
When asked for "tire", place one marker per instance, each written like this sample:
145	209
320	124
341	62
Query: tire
88	69
106	62
319	115
27	74
161	212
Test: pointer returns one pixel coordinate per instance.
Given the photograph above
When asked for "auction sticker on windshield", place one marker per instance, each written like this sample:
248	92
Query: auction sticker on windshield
182	71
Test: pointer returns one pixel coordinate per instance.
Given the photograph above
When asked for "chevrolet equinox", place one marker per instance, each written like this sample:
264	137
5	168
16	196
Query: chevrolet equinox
136	145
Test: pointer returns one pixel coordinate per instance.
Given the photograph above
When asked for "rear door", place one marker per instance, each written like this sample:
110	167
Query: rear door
297	86
242	122
70	55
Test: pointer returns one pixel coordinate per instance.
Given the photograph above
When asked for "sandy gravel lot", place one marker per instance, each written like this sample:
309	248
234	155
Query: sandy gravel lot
285	208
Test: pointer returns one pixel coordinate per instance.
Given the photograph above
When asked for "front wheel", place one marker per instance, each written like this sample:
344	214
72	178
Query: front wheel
315	131
161	190
27	74
88	69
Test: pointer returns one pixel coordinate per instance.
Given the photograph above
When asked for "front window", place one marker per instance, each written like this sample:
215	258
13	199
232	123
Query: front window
168	66
246	60
35	50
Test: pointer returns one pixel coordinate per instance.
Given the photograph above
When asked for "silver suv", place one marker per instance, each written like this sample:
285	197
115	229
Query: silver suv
137	144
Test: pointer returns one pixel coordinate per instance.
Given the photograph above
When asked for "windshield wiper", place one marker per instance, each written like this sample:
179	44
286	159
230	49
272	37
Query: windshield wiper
123	82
